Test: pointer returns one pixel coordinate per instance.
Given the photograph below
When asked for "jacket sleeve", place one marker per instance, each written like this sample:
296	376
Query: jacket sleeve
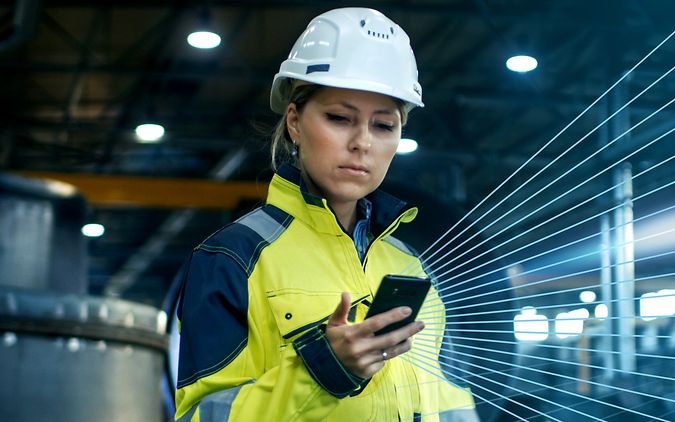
222	372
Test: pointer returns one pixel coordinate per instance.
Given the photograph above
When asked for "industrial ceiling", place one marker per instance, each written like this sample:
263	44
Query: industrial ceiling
78	76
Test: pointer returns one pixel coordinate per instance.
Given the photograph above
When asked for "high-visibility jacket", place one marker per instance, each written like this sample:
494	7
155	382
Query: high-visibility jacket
253	302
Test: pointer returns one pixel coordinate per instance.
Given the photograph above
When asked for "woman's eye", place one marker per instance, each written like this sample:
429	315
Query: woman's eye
385	126
336	117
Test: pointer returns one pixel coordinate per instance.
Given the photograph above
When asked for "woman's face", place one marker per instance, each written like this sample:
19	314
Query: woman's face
347	139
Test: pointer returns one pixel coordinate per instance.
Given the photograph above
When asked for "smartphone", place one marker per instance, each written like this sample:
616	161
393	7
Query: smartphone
399	290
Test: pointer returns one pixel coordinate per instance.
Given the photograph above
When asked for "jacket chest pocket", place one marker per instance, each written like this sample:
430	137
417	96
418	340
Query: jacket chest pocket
296	311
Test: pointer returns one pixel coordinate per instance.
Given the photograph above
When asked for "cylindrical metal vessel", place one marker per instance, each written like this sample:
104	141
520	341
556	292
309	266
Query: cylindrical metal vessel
41	246
77	358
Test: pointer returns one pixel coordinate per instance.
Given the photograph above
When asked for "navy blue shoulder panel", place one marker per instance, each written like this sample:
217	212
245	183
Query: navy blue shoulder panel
213	307
244	240
213	312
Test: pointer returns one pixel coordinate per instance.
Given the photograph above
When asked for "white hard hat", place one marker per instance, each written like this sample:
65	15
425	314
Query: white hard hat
354	48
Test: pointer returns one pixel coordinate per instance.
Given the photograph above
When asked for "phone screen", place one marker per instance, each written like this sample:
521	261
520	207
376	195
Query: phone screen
398	290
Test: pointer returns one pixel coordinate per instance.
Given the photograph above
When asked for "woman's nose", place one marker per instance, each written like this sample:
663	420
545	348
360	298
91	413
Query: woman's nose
362	138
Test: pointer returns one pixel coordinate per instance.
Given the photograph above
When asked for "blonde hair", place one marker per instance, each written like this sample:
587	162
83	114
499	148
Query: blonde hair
282	147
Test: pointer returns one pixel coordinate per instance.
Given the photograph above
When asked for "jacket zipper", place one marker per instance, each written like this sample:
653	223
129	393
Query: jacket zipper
389	230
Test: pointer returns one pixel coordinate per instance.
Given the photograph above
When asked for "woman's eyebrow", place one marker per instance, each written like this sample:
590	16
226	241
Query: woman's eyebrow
354	108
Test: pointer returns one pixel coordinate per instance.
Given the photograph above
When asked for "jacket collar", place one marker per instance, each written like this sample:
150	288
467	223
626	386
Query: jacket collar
288	192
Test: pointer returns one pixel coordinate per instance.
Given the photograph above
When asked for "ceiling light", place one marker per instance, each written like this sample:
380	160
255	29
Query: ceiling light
601	311
659	304
521	64
93	230
528	326
204	39
587	296
569	324
149	132
406	146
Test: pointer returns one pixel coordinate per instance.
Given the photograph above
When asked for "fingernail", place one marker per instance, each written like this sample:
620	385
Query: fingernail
406	311
420	325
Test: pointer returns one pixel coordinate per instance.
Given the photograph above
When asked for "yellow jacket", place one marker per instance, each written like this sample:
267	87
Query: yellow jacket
253	302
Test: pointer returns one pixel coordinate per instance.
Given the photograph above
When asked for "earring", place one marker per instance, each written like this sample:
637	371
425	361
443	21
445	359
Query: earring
294	151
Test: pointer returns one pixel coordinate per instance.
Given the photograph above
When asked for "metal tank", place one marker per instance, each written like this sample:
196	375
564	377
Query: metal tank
40	242
64	355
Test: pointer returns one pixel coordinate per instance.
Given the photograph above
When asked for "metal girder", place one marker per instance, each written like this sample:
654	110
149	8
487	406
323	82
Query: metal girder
564	103
141	260
457	10
138	87
126	191
24	21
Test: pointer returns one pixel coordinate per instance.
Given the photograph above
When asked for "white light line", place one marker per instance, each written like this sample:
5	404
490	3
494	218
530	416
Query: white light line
509	321
557	198
547	266
531	368
424	339
417	363
511	239
541	149
415	352
621	412
557	248
570	304
470	330
563	385
548	165
568	333
535	283
432	308
548	346
608	394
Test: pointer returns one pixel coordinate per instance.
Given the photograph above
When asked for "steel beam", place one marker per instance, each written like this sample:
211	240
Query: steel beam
126	191
141	260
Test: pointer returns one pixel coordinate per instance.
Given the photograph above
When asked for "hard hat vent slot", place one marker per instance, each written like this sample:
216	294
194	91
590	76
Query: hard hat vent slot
378	34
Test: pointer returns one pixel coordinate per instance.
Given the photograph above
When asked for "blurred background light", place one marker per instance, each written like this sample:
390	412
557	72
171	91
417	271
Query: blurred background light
587	296
659	304
93	230
406	146
568	324
203	39
521	64
149	132
529	326
601	311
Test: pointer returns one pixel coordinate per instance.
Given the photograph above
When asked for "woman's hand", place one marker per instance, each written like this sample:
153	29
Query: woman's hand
358	348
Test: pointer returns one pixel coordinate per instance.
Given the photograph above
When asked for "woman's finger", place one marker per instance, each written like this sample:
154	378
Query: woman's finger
399	349
379	321
395	337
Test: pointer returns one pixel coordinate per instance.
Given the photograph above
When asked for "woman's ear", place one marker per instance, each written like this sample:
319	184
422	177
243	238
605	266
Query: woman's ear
292	122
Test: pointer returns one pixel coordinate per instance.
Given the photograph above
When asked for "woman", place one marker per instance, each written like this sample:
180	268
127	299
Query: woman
259	337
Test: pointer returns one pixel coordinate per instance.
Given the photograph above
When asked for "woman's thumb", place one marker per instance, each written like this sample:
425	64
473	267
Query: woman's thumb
339	317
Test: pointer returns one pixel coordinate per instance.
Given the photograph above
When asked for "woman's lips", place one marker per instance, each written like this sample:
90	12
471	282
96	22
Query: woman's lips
354	170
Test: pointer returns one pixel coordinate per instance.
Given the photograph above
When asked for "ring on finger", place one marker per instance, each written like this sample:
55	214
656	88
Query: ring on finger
384	355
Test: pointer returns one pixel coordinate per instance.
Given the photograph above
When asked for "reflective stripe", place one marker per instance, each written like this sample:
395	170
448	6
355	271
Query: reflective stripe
399	245
263	224
186	417
459	415
215	407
